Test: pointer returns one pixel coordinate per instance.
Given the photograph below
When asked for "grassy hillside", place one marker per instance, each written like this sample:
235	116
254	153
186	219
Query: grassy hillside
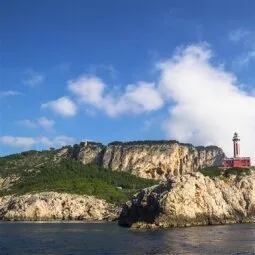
41	171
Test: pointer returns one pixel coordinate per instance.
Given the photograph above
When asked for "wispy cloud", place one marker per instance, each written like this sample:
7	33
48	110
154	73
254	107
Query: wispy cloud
28	123
24	142
33	78
97	69
47	124
244	59
43	122
29	142
239	35
245	39
62	106
10	93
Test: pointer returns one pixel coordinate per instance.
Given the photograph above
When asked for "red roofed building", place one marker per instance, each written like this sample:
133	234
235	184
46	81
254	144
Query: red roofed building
236	161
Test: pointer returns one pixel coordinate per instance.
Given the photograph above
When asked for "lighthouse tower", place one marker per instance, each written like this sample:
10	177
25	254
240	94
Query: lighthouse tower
237	160
236	144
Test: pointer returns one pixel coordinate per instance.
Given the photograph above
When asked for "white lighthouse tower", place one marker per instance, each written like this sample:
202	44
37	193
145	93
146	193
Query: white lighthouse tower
236	144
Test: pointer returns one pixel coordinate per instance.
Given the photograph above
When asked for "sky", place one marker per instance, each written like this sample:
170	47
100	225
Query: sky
115	70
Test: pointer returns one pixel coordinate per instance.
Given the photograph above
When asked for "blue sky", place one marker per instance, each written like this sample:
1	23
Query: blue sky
101	70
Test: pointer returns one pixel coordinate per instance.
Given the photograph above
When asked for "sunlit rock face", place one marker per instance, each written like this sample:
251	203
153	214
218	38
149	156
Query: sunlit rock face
192	199
155	160
56	206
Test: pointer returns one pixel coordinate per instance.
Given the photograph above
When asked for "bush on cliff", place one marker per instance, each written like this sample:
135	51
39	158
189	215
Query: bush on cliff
211	171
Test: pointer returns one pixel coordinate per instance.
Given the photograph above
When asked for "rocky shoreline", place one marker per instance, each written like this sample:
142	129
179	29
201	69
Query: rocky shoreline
192	200
183	201
48	206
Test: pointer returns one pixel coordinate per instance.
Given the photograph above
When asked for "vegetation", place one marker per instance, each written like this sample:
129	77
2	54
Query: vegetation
216	172
210	147
25	161
148	142
211	171
38	171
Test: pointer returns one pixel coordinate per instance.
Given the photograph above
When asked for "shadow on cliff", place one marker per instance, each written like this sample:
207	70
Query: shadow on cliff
144	206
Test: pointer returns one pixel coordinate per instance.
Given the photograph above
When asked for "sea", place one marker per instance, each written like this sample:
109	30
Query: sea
69	238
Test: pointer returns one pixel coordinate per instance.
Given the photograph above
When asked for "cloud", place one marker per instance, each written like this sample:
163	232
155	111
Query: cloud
245	59
89	89
240	34
137	98
110	69
33	78
62	106
47	124
246	39
43	122
28	142
57	141
28	123
10	93
24	142
208	105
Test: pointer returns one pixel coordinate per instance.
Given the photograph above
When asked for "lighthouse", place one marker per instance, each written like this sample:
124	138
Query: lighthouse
236	143
237	160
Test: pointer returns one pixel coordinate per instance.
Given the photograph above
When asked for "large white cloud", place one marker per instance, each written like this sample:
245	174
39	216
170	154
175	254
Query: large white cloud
208	104
137	98
62	106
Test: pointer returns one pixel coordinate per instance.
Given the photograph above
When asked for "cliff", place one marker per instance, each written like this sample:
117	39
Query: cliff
192	199
56	206
149	159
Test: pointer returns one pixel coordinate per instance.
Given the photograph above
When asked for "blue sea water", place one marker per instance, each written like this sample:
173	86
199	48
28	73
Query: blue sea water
18	238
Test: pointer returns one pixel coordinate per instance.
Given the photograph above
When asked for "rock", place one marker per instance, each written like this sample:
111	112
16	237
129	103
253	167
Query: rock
153	161
160	161
190	200
8	181
56	206
89	152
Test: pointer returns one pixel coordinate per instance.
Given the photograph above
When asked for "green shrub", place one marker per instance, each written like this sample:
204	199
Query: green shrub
238	171
211	171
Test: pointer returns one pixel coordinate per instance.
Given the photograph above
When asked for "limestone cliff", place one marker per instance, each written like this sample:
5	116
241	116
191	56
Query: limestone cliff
192	199
150	159
56	206
88	152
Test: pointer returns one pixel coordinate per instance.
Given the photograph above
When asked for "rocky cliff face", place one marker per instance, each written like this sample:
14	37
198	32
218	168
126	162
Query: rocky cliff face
192	199
88	153
56	206
154	160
